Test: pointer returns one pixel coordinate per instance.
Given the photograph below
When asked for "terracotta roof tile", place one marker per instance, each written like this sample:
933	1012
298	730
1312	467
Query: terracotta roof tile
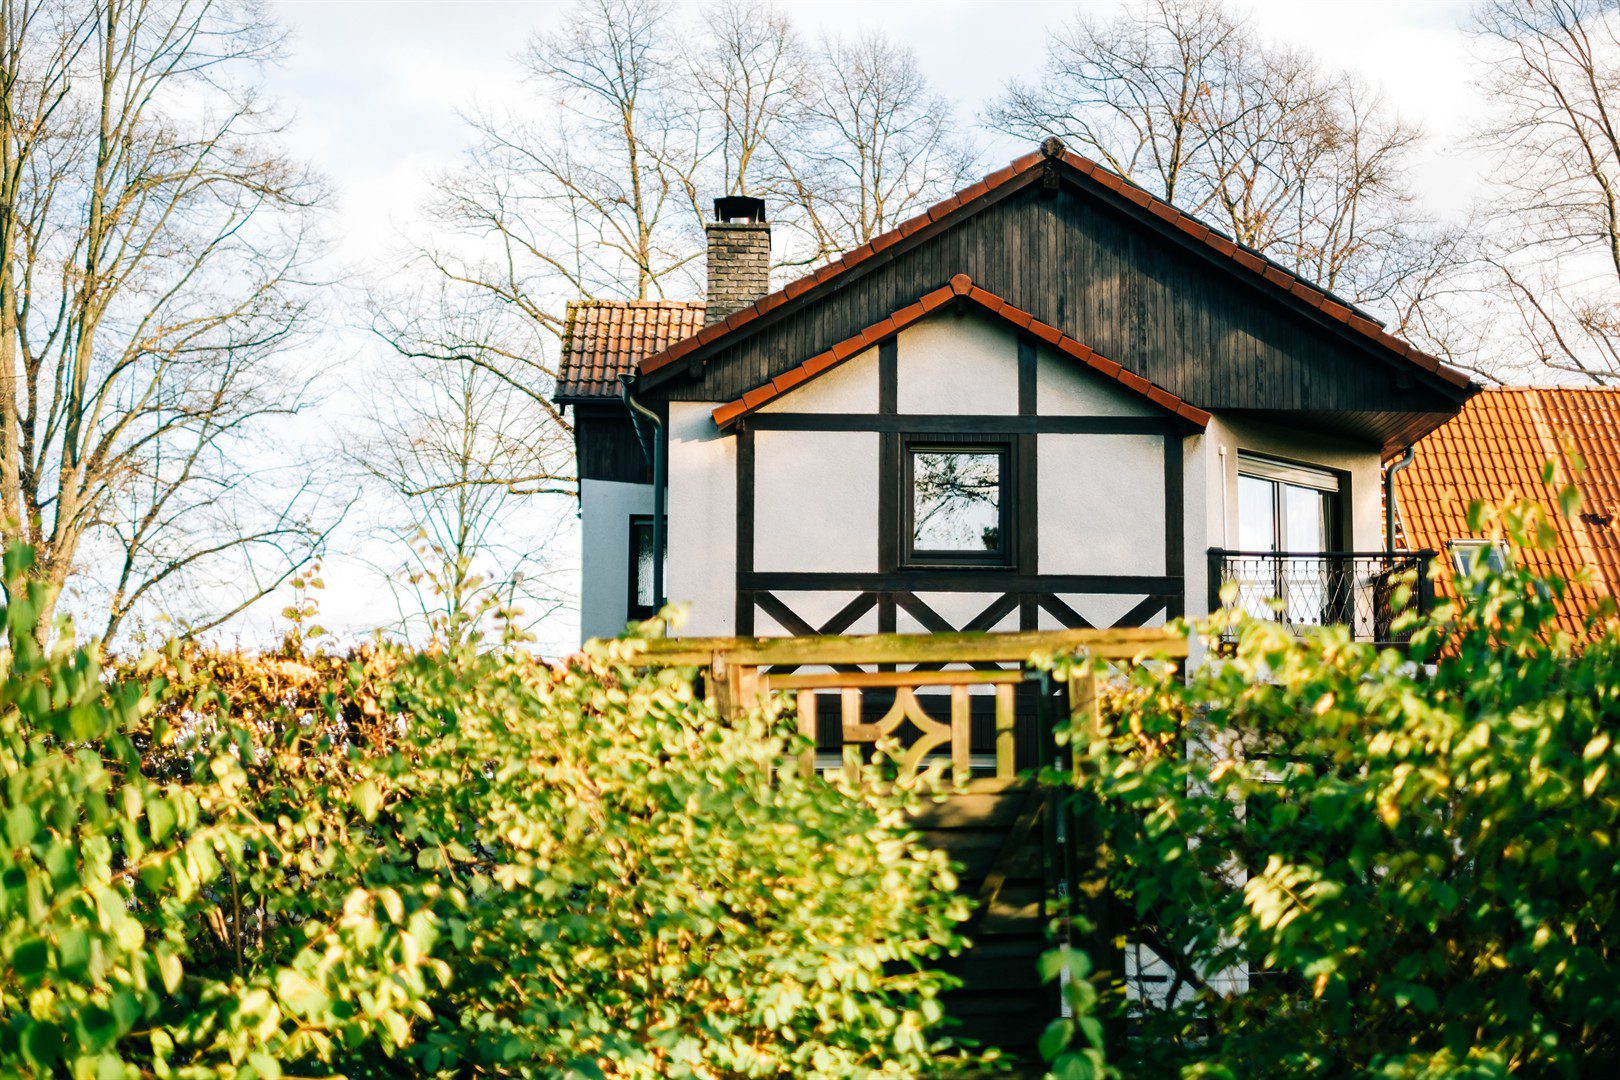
1494	451
603	339
960	285
974	190
790	378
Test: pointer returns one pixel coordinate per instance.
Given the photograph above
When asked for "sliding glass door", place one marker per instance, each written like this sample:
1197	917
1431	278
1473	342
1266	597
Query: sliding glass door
1291	513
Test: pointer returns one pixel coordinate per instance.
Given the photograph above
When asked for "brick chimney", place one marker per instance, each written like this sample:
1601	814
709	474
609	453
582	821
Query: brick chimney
739	255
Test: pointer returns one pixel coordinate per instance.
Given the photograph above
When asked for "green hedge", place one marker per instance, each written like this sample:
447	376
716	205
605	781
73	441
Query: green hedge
444	864
1418	855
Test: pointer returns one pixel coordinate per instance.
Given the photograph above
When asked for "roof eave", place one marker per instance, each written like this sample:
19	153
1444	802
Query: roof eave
1263	274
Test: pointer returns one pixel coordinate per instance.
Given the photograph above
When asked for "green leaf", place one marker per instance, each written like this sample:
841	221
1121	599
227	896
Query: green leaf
21	825
161	818
1056	1038
300	994
265	1065
29	958
367	799
169	969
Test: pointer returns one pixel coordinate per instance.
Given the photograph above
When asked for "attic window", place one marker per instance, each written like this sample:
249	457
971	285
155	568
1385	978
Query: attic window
957	508
1465	555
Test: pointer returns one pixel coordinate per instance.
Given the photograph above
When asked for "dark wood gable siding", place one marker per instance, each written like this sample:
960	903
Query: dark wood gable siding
605	444
1132	293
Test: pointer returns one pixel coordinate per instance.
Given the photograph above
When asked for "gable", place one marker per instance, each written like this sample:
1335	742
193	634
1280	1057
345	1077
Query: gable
961	363
964	371
1132	284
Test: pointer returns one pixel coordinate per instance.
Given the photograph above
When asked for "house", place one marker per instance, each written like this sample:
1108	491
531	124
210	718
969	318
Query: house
1494	451
1051	400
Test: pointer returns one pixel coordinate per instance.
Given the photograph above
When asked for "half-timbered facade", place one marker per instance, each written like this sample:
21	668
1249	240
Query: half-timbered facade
1050	401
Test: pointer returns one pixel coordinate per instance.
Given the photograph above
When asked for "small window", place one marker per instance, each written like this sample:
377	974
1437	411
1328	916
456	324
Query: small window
642	602
958	511
1465	555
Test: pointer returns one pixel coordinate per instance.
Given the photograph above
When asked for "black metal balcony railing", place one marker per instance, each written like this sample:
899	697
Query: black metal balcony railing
1326	588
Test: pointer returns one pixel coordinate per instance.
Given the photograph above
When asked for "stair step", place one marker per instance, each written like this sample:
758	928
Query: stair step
995	810
982	973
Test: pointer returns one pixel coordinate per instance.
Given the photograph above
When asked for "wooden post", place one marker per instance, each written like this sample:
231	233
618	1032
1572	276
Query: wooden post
1104	943
1006	723
720	687
961	734
849	719
806	701
1084	713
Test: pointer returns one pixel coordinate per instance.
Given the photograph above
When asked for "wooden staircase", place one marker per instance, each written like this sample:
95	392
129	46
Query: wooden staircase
996	838
966	708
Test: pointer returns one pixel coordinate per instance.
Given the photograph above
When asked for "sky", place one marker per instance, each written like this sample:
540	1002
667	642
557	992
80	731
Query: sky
376	90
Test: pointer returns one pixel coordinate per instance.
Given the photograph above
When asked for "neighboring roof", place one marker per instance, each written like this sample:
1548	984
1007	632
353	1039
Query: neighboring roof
603	339
1240	259
962	290
1494	451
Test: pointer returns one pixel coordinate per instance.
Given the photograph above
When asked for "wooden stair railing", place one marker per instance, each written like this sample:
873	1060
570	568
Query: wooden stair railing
742	672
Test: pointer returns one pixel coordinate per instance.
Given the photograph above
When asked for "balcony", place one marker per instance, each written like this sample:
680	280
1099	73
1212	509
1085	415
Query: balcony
1326	588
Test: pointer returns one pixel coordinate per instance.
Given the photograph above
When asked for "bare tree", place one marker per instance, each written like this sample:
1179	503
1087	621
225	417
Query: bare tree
749	75
1554	82
1135	91
153	243
873	145
599	190
647	114
1297	162
461	454
587	196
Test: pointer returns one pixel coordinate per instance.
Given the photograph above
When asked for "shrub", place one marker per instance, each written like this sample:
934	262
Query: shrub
110	864
630	885
1360	862
445	863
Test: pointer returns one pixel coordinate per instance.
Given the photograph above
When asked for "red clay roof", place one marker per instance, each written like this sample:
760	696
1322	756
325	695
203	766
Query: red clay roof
1494	451
961	287
603	339
961	203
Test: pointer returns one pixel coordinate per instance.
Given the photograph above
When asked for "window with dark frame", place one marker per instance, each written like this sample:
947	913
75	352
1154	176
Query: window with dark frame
641	601
957	503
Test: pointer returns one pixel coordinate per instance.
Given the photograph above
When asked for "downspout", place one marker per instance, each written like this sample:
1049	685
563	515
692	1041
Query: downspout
1389	495
638	414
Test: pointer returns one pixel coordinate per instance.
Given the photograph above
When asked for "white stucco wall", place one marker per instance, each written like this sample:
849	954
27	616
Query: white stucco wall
1101	504
950	364
605	509
1098	609
816	501
851	387
1066	388
702	506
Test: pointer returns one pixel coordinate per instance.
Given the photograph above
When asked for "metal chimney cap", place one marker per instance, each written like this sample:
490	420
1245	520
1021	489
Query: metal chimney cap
749	209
